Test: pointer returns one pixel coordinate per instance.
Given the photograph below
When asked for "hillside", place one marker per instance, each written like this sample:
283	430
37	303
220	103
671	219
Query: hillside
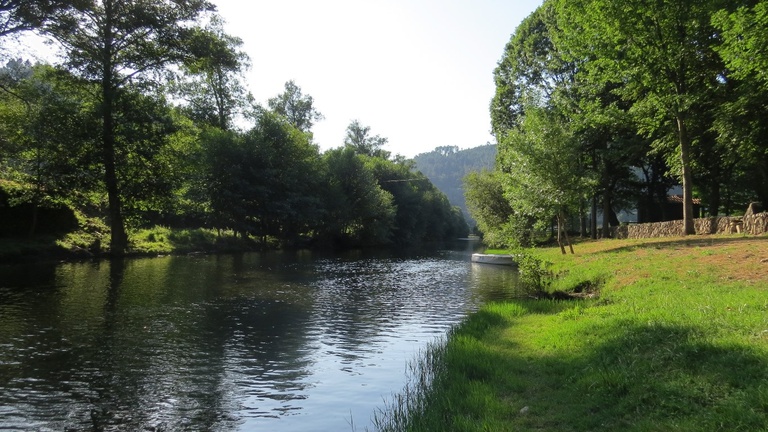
446	167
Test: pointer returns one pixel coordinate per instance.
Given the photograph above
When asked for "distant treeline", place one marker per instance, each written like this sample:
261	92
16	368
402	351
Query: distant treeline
446	167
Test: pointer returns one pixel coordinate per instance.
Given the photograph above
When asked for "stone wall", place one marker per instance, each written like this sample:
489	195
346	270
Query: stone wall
751	223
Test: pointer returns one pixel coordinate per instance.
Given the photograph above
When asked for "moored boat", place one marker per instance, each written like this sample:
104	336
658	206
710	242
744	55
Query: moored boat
493	259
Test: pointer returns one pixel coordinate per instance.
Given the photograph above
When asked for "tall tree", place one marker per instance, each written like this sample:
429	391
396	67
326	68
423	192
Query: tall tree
544	179
24	15
744	40
290	169
359	139
360	212
46	136
660	53
741	120
212	82
297	107
119	43
531	64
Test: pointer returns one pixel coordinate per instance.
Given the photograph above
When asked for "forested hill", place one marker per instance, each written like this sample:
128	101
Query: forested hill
446	167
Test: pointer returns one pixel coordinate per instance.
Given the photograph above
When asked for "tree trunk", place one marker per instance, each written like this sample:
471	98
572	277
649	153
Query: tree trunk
688	227
559	236
593	221
565	233
714	199
119	239
606	215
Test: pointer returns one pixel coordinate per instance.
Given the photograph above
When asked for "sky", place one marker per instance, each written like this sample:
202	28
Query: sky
418	72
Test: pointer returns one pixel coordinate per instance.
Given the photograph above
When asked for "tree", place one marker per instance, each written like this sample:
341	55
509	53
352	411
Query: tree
46	135
298	108
660	54
744	40
212	83
423	213
487	204
25	15
150	156
543	179
531	64
740	119
265	182
359	211
291	171
118	44
225	180
360	140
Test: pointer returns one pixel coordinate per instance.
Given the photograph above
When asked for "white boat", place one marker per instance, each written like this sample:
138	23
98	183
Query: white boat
494	259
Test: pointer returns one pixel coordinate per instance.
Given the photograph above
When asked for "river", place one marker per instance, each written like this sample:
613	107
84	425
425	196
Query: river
278	341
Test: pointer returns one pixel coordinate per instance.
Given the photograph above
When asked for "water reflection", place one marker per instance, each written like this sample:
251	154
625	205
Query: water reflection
280	341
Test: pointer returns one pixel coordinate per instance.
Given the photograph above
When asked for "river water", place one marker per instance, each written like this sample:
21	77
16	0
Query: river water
280	341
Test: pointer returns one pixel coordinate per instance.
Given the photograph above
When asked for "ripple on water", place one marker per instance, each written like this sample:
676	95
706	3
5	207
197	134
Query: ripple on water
252	342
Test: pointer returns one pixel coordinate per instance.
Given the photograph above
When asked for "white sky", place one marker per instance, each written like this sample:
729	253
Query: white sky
419	72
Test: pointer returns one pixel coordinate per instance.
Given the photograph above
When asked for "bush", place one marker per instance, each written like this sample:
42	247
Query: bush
535	276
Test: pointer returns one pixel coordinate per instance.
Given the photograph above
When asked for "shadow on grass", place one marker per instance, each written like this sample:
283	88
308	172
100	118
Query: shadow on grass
687	242
24	249
638	377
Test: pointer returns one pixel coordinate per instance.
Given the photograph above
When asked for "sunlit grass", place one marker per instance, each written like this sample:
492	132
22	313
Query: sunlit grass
676	340
163	240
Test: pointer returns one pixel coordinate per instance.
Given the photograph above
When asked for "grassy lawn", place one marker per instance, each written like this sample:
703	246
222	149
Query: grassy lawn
675	339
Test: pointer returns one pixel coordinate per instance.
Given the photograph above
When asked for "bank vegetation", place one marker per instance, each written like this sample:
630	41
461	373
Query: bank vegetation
658	334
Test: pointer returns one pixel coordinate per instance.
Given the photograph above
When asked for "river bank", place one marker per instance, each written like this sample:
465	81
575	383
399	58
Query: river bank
84	244
677	339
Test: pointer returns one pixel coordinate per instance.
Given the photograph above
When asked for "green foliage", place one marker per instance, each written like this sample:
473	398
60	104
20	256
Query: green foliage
359	139
543	177
296	107
744	40
740	116
661	58
120	46
47	136
532	65
291	169
646	94
212	80
535	275
490	208
265	182
423	213
359	211
22	15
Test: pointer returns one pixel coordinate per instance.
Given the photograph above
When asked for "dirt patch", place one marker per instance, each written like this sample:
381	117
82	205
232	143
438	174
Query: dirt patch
744	261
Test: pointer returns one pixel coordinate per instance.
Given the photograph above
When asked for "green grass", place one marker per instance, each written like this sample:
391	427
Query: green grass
93	239
162	240
677	340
